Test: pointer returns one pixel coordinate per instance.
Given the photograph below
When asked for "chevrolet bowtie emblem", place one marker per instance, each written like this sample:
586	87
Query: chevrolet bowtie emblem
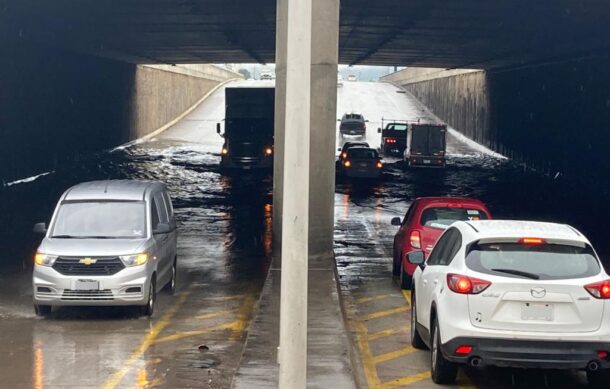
87	261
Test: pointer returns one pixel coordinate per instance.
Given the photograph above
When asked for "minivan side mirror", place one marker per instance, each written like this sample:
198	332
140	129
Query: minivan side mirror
162	228
379	130
395	221
416	257
40	228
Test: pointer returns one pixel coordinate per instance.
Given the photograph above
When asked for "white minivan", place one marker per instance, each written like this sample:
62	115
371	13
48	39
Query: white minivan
108	243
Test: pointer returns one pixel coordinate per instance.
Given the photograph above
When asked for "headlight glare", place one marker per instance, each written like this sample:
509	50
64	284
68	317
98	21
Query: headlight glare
135	259
44	259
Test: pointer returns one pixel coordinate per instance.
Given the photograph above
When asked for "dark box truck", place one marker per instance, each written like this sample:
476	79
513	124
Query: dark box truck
426	145
248	132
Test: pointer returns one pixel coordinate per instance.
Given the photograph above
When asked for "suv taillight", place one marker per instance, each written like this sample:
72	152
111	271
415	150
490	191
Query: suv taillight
466	285
415	239
599	290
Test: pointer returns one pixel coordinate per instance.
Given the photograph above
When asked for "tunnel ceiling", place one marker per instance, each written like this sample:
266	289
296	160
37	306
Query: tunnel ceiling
450	33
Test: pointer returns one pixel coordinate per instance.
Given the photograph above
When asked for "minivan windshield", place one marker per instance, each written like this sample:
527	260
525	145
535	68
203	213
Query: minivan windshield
100	220
537	261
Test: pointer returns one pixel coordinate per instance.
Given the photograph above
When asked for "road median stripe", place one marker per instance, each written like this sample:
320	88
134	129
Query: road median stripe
364	300
384	313
393	355
386	333
148	340
404	381
212	315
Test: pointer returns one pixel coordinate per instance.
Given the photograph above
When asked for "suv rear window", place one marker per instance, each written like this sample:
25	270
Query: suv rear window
542	261
442	217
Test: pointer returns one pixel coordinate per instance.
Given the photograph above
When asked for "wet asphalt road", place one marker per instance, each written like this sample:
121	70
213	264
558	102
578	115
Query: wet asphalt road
224	253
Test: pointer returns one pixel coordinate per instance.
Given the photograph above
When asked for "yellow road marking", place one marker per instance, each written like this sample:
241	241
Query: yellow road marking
404	381
389	332
464	382
393	355
185	334
243	316
224	298
214	314
384	313
407	295
364	300
370	371
148	340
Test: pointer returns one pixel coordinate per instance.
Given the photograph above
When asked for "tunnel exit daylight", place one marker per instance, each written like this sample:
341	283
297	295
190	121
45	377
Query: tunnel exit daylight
304	193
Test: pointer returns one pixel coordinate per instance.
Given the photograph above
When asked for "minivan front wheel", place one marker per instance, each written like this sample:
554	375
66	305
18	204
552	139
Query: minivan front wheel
171	285
42	310
149	308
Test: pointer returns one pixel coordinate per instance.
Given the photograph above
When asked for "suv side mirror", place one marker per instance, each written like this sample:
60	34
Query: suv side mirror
367	120
395	221
162	228
416	258
40	228
379	130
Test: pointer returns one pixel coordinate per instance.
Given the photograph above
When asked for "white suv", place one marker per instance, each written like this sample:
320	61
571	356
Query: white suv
513	294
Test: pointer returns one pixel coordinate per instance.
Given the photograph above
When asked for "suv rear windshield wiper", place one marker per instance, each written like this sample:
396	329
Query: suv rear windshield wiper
65	237
82	237
518	273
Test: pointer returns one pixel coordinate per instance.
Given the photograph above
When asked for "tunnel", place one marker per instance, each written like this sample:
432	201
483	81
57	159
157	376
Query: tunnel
135	89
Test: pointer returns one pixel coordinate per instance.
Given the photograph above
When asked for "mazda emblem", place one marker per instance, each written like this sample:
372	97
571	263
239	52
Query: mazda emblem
538	292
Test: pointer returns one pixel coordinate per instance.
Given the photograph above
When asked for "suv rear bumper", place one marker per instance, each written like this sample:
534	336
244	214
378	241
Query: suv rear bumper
528	353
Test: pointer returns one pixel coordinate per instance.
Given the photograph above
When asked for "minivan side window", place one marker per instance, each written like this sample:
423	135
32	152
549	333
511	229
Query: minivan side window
168	205
161	208
154	213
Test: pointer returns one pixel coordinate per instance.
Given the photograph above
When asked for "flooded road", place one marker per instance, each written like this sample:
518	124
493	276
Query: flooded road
196	337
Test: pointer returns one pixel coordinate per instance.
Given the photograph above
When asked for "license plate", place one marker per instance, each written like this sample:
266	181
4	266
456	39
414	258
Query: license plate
86	285
427	161
537	311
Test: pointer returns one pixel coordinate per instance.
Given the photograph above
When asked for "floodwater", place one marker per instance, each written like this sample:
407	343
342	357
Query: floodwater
224	248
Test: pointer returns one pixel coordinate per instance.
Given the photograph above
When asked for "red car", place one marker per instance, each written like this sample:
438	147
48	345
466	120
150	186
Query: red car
424	223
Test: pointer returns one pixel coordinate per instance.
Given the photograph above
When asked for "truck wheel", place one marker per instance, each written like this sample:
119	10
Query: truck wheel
443	372
405	279
42	310
416	341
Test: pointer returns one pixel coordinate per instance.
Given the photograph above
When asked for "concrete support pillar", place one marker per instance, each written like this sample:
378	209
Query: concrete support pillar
324	66
295	198
280	119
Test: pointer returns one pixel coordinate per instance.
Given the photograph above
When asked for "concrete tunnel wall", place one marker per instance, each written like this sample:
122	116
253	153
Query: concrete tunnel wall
56	105
552	117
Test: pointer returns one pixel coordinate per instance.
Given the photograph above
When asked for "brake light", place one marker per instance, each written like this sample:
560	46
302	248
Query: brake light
532	241
466	285
602	354
268	151
344	155
379	165
599	290
225	151
415	239
390	140
463	350
347	164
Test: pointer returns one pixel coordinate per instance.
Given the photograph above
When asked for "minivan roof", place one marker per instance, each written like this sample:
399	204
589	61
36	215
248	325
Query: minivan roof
111	190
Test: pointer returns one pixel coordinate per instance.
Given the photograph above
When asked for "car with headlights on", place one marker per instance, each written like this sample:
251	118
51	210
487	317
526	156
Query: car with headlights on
108	243
512	294
361	162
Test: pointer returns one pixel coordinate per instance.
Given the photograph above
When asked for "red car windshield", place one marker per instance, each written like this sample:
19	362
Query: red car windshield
442	217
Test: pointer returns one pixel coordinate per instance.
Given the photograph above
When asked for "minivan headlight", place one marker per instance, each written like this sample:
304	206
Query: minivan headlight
44	259
135	259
